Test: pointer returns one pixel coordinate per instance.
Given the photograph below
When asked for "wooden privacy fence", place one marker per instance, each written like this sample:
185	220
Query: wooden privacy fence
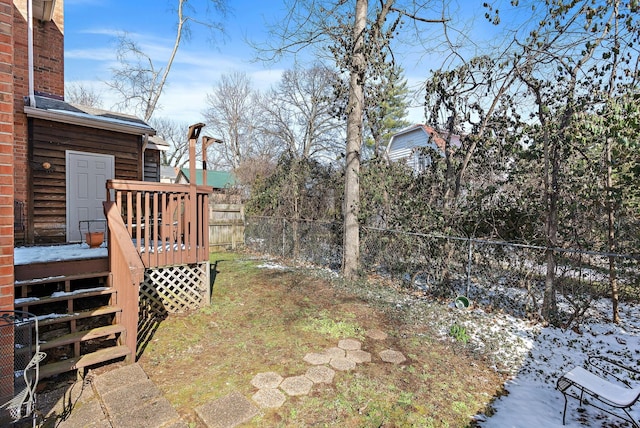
226	226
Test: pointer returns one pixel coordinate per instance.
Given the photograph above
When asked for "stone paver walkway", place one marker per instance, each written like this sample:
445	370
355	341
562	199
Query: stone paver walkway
126	398
324	364
229	411
121	398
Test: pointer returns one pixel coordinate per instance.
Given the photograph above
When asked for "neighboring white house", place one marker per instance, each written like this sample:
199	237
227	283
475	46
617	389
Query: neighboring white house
168	174
405	144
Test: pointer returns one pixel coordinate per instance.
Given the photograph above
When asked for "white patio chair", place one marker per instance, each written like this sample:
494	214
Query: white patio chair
20	359
602	384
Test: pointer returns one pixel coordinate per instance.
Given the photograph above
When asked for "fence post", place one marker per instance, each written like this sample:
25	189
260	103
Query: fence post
469	256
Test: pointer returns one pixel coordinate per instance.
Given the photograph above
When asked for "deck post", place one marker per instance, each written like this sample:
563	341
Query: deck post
190	209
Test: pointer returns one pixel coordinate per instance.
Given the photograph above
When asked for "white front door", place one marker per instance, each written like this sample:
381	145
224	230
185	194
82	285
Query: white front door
87	174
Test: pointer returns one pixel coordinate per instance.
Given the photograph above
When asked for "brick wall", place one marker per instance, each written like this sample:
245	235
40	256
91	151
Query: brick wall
6	155
48	50
6	193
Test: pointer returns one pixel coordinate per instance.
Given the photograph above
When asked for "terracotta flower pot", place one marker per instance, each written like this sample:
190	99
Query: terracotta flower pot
94	239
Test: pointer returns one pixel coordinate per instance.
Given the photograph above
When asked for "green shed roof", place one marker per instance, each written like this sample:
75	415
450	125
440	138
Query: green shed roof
215	179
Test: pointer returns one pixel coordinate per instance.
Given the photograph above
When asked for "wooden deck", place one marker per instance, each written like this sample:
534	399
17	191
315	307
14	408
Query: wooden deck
87	300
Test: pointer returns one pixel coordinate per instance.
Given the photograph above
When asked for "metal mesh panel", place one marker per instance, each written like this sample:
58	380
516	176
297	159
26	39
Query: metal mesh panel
446	266
17	347
315	242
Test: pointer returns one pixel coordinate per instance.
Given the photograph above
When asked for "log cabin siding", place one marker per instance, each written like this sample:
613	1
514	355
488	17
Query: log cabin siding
152	165
50	140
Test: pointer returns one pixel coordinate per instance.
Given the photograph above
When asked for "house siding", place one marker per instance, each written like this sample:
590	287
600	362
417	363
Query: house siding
402	146
48	49
48	194
152	165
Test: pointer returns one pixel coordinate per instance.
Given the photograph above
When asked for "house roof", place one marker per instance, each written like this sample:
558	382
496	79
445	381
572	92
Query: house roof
157	143
215	179
431	132
169	172
60	111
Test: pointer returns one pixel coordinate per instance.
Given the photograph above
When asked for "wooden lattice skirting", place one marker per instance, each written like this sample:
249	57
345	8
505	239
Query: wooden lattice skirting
171	289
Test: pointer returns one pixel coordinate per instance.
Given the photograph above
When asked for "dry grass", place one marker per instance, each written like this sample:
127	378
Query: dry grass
267	320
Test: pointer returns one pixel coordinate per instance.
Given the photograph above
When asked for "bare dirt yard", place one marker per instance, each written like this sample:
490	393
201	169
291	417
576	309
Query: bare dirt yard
266	317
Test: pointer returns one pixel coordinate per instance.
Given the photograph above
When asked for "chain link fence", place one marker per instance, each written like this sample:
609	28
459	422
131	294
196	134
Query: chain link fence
499	274
315	242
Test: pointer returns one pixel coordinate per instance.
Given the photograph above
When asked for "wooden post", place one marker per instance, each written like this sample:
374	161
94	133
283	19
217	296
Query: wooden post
206	140
190	207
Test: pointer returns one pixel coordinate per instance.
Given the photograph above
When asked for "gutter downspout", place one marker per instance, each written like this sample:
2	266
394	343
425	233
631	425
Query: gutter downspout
32	97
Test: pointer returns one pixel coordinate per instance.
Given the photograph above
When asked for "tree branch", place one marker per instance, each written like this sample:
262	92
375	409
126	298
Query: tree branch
418	18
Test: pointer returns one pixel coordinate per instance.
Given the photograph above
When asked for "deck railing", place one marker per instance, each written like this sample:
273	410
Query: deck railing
168	223
127	272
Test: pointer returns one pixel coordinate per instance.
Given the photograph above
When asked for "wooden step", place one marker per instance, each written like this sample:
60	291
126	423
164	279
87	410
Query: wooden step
59	318
101	356
50	279
57	269
81	336
63	296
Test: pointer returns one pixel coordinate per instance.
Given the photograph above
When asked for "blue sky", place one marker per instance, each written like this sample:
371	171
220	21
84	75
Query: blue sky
91	27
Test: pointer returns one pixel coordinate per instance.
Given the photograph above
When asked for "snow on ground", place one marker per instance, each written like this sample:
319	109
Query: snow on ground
534	355
272	265
532	399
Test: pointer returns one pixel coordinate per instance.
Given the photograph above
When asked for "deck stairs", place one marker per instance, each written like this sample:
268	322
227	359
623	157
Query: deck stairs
78	312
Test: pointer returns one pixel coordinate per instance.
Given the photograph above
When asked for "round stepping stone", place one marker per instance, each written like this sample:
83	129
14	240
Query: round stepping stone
358	356
335	353
320	374
316	358
296	385
349	344
343	364
391	356
266	380
269	398
376	334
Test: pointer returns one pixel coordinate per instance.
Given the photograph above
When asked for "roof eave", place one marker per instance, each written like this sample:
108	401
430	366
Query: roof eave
406	130
44	9
71	119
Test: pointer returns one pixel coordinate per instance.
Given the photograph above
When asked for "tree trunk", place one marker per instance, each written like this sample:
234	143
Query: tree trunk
551	173
296	209
549	306
611	238
351	243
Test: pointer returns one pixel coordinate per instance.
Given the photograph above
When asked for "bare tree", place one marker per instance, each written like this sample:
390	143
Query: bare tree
570	47
255	169
299	114
358	40
139	81
78	93
175	134
232	115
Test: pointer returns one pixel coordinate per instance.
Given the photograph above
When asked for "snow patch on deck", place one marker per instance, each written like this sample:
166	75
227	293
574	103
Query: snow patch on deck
56	253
